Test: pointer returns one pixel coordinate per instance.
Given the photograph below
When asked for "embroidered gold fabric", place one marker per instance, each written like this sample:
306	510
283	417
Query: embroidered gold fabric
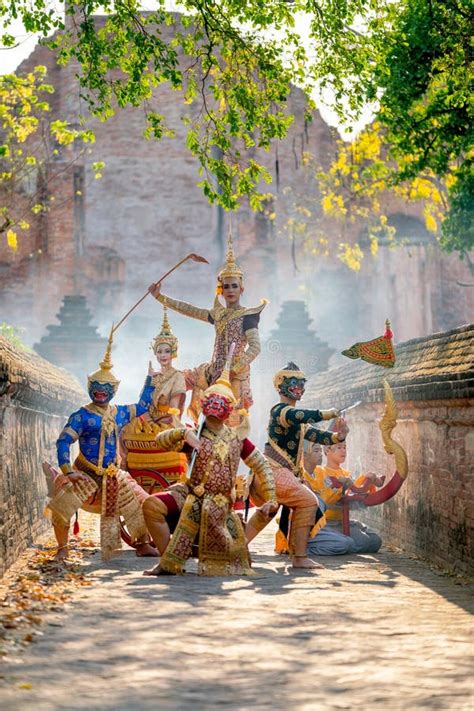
207	511
171	439
182	307
262	471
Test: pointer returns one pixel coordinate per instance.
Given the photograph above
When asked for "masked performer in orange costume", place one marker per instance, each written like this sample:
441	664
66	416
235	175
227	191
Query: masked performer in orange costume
205	501
233	324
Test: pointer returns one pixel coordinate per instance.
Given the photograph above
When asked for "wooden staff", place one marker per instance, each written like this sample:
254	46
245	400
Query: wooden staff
193	256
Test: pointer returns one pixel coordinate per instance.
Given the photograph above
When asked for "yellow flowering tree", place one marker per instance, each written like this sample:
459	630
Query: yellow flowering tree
364	174
29	141
320	218
329	208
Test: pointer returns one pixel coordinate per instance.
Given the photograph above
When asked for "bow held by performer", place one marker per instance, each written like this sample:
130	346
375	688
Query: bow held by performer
233	323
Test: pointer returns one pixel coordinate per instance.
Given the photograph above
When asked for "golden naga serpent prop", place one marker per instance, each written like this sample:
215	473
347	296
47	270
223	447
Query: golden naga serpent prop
387	424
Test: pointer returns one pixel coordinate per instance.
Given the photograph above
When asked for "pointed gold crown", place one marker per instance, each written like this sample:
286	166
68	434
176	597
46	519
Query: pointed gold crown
166	335
230	267
222	385
104	374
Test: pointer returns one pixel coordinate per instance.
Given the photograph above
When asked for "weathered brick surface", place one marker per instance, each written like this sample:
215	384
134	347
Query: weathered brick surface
35	399
433	383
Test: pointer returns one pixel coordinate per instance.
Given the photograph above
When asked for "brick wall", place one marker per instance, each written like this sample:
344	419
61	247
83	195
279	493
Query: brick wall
35	399
433	383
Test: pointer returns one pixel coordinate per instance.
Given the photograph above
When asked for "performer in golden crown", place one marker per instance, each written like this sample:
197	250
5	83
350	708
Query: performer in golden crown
233	323
166	409
205	500
94	481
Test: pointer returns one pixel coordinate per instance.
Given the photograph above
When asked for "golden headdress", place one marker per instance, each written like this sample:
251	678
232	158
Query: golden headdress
230	268
289	371
166	335
104	374
222	385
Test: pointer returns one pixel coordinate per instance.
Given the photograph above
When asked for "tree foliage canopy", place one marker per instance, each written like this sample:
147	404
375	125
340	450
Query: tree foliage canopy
234	62
30	139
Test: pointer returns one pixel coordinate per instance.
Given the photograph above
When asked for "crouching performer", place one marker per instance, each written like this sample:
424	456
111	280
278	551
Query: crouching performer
287	430
205	500
95	482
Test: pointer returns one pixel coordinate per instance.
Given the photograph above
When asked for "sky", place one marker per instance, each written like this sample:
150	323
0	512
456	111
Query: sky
26	42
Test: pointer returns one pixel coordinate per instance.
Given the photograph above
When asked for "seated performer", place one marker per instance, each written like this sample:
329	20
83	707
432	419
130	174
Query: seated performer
287	431
95	482
312	456
330	482
233	323
139	436
205	500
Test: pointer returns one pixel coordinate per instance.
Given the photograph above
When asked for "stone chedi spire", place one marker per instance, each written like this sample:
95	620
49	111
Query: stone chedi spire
73	344
294	340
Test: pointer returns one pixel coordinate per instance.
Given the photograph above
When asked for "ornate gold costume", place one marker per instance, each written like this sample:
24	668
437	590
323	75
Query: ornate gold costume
139	437
237	325
97	428
207	512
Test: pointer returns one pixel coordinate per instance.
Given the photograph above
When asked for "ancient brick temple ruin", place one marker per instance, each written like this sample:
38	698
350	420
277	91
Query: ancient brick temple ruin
294	339
108	239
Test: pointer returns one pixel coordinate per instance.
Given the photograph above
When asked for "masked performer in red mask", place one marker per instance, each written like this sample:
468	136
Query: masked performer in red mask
288	428
95	481
233	324
205	501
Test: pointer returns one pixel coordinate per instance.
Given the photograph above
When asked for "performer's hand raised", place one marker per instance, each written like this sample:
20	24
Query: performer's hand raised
341	428
193	440
155	289
151	372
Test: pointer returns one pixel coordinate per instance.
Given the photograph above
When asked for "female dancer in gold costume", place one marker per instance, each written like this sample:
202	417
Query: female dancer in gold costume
166	409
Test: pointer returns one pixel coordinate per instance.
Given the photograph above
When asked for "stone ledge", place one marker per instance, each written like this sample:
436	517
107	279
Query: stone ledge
33	382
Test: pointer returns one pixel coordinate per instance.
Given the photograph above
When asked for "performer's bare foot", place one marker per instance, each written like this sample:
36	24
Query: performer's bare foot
61	555
156	571
146	550
153	571
300	561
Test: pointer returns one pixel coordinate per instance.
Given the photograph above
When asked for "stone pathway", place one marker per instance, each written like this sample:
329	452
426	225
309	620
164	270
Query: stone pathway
370	632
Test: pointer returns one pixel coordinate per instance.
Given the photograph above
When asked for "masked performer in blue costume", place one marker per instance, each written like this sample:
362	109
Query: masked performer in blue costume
95	482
